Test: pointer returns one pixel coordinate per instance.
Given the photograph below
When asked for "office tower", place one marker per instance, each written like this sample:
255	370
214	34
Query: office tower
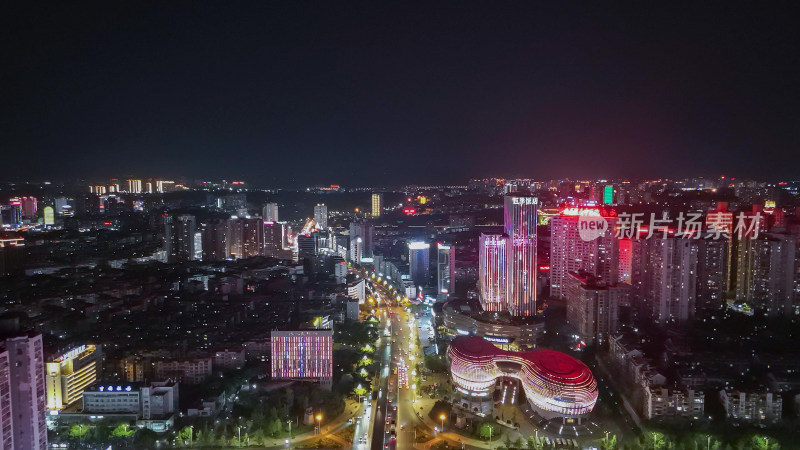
29	207
11	214
215	240
198	246
520	226
712	272
179	238
356	249
492	271
274	237
445	268
60	203
377	205
69	374
321	216
22	394
270	212
134	186
302	354
245	237
164	186
519	216
307	246
765	273
366	231
419	262
570	252
665	277
592	306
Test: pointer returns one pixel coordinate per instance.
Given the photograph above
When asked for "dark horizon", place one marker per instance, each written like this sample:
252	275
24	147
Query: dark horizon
375	94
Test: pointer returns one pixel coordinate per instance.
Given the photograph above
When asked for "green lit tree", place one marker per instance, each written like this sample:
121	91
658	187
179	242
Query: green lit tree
78	431
609	442
488	431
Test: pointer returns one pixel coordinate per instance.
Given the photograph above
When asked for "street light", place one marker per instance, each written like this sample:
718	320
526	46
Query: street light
442	417
319	423
191	435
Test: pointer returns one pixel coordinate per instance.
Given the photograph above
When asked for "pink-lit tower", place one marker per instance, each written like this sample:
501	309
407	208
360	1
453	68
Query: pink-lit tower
492	271
519	215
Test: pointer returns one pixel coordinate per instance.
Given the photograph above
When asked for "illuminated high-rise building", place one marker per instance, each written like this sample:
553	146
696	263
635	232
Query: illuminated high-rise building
245	237
69	374
11	215
419	262
366	231
29	207
665	277
445	268
519	216
22	394
594	253
321	216
765	269
274	238
179	238
164	186
377	204
270	212
134	186
712	272
302	355
625	260
215	240
592	307
520	227
492	271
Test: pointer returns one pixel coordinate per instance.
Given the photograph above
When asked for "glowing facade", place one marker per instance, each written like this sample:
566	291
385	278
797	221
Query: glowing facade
302	354
377	204
555	384
70	374
419	262
321	216
445	268
492	271
520	226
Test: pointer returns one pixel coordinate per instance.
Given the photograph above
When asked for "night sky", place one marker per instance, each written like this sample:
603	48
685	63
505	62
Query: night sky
297	93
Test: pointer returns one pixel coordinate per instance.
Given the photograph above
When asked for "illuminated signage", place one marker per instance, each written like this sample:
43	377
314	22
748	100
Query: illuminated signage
497	340
49	216
608	194
525	200
72	354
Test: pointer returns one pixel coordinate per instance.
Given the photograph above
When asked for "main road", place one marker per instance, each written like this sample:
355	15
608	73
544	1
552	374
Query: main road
399	351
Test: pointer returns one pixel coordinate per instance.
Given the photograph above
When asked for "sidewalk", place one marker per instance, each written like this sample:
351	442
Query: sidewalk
339	423
454	439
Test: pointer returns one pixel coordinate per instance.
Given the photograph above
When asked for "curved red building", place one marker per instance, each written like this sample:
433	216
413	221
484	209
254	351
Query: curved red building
555	384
